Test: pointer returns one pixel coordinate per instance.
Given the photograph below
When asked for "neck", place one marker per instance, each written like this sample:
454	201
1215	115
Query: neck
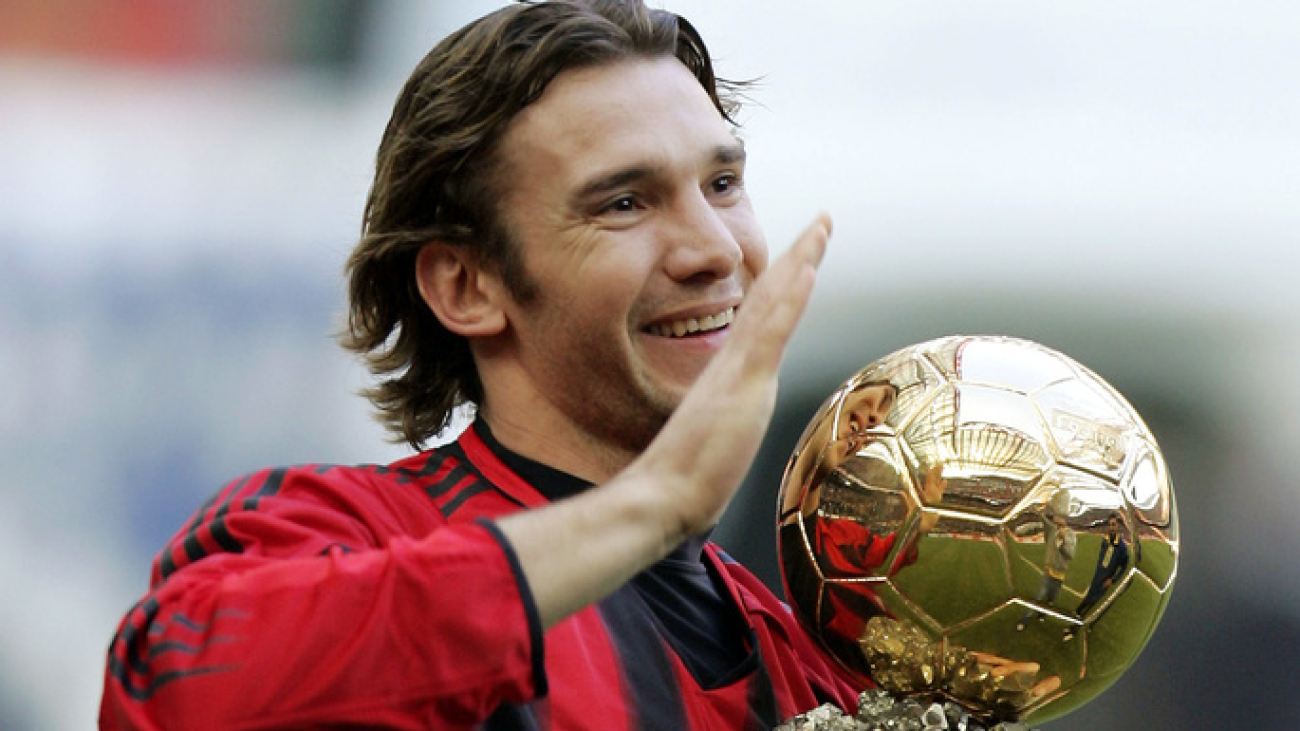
562	431
555	442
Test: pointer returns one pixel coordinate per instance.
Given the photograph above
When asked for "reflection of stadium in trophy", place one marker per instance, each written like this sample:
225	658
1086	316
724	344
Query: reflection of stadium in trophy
844	497
988	462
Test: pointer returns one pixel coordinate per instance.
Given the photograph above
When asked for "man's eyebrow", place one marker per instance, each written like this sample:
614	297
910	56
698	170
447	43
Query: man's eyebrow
613	181
730	154
726	154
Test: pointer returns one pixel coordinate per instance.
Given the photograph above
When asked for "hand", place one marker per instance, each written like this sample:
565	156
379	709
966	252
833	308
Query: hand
933	487
705	449
1017	674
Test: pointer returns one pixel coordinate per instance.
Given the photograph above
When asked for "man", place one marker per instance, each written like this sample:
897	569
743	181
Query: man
1059	541
1112	559
559	234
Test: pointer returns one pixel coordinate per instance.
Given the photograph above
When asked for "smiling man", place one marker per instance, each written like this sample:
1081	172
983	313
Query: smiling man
559	234
623	196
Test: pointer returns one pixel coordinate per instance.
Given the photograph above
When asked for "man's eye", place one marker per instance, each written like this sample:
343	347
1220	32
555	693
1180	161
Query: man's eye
621	204
725	183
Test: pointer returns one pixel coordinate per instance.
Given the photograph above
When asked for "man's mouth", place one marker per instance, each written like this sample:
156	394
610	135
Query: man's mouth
693	325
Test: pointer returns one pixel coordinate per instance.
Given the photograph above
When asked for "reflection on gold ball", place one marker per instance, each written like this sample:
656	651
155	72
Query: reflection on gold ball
981	519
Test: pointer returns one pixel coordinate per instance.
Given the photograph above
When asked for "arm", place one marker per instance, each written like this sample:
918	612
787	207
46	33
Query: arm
311	622
1068	542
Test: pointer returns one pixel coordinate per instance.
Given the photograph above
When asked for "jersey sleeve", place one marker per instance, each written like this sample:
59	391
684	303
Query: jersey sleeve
278	609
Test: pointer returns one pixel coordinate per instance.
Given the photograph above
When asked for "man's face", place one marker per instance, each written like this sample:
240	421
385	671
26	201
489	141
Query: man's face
623	188
864	408
1112	527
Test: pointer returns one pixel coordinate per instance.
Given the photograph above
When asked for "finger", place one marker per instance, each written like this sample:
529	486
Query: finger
1045	686
779	297
1015	668
808	250
731	403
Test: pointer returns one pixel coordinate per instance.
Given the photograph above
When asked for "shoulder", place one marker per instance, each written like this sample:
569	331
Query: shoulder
411	477
344	488
310	509
433	482
753	593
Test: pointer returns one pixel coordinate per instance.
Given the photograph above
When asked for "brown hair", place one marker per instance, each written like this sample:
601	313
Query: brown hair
434	182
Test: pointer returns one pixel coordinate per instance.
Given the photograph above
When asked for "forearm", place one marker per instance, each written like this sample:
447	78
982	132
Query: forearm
575	552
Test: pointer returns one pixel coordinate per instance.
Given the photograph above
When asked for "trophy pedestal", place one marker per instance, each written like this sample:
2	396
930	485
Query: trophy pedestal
879	711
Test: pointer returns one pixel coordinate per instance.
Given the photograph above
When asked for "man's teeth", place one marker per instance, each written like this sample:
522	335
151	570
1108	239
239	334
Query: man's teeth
691	325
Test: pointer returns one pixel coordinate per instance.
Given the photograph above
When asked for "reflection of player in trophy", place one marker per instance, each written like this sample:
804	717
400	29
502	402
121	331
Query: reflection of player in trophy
864	408
845	546
1058	550
1112	559
849	548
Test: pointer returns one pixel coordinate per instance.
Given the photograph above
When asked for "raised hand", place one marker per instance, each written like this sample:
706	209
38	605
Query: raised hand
705	449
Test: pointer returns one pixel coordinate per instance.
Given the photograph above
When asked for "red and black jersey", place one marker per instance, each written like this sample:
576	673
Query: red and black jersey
385	597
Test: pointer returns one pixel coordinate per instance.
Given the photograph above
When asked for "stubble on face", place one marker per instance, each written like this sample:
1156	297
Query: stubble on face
612	400
617	423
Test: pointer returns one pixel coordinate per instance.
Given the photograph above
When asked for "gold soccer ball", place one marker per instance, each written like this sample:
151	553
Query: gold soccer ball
980	519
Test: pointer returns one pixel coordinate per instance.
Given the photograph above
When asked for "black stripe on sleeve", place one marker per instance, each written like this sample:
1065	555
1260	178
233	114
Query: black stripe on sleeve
142	692
216	525
218	529
270	486
448	483
190	543
432	464
130	661
132	640
186	648
455	503
221	535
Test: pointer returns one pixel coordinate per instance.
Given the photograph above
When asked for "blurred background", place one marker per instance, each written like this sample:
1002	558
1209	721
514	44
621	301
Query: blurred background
181	182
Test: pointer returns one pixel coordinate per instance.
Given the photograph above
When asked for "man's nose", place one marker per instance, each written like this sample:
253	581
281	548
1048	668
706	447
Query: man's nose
702	246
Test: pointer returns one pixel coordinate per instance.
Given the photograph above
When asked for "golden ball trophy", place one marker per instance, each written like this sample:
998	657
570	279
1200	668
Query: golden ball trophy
980	529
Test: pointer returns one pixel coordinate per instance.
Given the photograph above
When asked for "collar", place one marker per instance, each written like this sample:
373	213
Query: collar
533	484
526	480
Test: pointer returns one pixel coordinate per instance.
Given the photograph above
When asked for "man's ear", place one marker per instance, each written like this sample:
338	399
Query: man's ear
462	294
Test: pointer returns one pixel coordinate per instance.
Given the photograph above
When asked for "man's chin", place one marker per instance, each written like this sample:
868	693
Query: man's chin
668	399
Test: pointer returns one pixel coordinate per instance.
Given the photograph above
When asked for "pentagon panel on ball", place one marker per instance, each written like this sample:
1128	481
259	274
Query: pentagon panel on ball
982	520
